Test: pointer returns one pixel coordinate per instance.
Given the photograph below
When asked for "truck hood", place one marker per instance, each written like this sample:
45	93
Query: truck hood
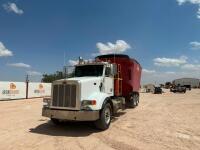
83	79
88	89
89	86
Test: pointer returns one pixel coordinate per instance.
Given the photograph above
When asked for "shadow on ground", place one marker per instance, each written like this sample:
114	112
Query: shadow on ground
117	116
70	129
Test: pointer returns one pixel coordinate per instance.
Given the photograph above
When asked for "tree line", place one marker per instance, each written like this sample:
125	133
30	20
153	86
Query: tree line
49	78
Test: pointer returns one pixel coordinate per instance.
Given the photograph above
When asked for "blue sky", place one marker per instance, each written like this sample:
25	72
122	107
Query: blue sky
163	35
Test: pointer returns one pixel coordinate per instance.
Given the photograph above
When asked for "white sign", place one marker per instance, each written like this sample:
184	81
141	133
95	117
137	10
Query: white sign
12	90
39	89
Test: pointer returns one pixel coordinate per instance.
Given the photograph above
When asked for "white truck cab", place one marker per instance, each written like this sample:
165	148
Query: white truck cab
88	96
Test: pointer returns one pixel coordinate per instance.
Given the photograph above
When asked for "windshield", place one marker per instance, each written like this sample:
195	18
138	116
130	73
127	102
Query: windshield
88	70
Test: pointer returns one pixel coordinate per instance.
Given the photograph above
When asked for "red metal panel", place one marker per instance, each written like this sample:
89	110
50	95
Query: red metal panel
130	71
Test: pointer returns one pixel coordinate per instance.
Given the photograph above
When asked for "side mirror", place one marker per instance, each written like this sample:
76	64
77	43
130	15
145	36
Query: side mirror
108	72
113	69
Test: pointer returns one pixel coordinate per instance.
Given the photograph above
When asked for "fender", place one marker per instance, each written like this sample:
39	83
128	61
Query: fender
107	100
100	98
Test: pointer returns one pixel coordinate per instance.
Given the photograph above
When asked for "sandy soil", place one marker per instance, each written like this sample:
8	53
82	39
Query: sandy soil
167	121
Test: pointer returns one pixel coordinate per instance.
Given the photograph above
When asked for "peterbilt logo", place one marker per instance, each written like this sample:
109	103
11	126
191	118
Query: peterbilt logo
64	82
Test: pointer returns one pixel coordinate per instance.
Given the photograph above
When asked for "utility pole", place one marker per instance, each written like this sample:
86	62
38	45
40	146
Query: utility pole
27	82
64	66
65	71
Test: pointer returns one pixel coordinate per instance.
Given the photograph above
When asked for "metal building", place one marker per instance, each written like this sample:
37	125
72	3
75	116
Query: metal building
194	83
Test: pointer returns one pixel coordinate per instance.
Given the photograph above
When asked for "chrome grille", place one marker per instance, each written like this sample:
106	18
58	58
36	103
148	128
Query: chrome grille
64	95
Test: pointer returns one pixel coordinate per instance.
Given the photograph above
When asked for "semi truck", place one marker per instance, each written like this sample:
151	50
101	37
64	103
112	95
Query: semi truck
98	90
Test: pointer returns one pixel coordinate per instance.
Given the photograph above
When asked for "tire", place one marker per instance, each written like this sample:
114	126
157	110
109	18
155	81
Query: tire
131	103
105	118
137	100
55	121
134	100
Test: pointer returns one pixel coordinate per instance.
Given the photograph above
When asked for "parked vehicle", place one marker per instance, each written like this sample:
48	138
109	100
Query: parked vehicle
157	90
188	87
168	85
178	89
98	90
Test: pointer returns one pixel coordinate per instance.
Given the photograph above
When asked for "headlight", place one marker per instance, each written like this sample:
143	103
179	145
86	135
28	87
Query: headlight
88	102
46	101
85	104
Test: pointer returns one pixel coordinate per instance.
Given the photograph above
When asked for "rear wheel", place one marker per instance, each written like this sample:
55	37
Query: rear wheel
137	99
105	118
133	100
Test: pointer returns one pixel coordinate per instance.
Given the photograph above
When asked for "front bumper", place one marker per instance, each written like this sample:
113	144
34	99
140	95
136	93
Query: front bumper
70	114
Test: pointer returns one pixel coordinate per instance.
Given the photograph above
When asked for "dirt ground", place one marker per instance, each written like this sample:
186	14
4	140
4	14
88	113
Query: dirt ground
160	122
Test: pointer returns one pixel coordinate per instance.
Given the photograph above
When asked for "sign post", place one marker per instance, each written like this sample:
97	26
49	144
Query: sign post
27	81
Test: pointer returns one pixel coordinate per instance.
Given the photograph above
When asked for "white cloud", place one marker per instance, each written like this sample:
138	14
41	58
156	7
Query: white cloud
146	71
12	7
119	47
180	2
198	13
19	65
196	61
170	72
170	62
34	73
73	62
191	67
4	52
195	45
196	2
95	54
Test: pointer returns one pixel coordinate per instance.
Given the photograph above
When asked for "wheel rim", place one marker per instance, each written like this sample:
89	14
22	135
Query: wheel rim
107	114
137	99
134	100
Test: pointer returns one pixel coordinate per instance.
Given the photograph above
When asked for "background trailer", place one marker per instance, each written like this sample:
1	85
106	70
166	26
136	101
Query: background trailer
192	82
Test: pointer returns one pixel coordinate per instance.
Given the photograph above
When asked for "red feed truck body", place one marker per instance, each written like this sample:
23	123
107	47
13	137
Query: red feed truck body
129	70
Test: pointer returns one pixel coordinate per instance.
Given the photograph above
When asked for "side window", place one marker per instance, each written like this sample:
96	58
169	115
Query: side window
129	74
107	72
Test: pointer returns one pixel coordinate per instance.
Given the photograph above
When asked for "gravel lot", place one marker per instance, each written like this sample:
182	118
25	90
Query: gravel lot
167	121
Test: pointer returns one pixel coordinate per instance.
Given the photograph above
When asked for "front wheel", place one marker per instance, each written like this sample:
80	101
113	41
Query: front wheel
105	118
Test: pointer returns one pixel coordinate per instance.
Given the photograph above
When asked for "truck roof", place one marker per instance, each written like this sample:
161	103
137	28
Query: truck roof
92	63
113	55
117	56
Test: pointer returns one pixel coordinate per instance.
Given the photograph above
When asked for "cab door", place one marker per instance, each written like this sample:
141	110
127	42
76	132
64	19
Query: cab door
108	82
